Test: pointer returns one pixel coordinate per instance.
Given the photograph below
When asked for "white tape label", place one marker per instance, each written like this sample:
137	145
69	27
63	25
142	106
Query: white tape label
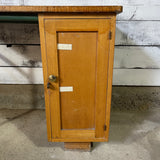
61	46
66	89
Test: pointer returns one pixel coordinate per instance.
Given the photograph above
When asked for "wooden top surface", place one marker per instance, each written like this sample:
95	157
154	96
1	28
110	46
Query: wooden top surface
58	9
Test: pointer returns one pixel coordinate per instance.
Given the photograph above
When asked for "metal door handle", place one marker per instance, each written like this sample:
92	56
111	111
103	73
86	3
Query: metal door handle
52	78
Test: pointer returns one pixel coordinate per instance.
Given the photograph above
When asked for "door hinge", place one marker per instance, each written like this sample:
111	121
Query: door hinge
110	35
105	127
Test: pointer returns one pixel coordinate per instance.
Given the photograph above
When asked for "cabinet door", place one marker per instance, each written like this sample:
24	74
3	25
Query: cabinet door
76	52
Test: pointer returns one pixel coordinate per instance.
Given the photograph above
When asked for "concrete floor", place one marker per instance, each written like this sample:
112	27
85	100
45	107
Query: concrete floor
133	136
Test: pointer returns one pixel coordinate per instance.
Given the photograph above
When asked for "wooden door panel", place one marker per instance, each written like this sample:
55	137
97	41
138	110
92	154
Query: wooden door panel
77	68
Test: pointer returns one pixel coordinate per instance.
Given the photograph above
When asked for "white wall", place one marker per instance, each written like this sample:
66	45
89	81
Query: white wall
137	50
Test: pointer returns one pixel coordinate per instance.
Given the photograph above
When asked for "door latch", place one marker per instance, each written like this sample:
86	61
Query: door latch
105	127
110	35
48	85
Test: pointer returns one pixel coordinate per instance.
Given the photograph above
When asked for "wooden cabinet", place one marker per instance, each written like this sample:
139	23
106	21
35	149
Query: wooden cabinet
77	46
77	55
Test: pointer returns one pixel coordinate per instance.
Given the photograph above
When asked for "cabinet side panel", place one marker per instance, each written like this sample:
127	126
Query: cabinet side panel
110	74
102	76
44	64
52	69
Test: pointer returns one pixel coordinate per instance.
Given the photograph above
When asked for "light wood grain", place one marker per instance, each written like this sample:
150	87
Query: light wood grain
45	74
79	140
79	104
101	81
110	75
50	67
81	146
75	134
61	9
43	55
55	67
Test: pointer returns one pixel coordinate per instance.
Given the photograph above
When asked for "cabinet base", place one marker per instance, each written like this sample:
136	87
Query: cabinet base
81	146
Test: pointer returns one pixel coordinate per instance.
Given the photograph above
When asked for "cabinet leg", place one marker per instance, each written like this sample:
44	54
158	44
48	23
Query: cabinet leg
82	146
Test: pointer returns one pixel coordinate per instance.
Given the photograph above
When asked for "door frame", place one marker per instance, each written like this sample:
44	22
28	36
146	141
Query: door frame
101	24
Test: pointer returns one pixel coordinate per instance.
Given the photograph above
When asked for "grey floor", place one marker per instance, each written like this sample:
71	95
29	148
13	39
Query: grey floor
133	136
